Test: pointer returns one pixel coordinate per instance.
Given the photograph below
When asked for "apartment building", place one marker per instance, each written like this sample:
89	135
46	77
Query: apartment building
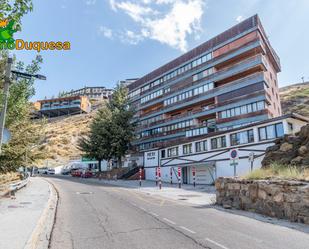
97	93
63	106
226	84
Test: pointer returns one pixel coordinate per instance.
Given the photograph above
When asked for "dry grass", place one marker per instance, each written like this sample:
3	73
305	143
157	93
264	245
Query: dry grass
9	177
279	171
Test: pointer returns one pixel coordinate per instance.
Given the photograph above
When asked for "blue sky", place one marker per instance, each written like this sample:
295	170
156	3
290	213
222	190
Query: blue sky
118	39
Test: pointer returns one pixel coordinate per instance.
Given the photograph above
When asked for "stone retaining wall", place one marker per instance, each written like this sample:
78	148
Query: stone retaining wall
275	198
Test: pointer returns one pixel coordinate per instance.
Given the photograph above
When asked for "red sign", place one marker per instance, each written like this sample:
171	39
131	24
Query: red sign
159	171
179	171
193	171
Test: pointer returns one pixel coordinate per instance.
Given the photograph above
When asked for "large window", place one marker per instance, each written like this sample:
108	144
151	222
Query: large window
151	96
243	137
271	131
218	142
203	74
172	152
187	149
188	94
244	109
197	132
201	146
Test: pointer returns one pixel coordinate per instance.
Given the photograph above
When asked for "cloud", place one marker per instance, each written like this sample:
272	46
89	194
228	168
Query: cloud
106	32
90	2
239	18
170	22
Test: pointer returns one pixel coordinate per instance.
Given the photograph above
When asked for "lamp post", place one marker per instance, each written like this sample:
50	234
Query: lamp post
7	82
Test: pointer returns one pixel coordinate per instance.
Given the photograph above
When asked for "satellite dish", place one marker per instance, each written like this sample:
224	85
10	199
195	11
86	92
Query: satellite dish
6	136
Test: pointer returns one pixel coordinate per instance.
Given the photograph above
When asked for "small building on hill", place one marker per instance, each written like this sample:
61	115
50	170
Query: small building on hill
97	92
63	106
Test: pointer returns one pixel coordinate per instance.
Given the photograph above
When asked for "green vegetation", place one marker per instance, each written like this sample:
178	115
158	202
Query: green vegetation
279	171
111	131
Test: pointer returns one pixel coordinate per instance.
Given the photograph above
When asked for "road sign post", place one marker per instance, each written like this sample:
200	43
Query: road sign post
140	177
179	177
159	175
234	160
193	174
251	160
171	175
156	176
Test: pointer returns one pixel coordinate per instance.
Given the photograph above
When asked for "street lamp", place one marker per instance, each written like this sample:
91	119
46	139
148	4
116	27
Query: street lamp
7	81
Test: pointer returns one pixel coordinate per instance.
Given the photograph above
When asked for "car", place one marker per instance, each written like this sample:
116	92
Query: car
43	171
76	172
86	174
51	171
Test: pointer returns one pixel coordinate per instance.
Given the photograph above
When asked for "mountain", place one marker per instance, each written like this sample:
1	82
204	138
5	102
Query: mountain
295	98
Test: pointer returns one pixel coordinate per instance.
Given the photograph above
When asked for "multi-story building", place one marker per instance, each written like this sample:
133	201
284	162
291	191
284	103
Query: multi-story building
98	92
227	84
63	106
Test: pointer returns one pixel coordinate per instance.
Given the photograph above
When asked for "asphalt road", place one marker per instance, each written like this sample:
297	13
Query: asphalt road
101	216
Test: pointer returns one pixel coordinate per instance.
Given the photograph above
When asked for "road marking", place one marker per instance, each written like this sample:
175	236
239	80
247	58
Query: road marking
132	203
142	208
154	214
162	202
187	229
216	243
169	221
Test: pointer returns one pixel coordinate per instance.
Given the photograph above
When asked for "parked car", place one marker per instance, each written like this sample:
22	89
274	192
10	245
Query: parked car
43	171
51	171
86	173
76	172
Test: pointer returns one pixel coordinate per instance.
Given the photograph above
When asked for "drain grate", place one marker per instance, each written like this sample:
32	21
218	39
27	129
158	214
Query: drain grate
84	193
189	195
15	206
182	199
25	202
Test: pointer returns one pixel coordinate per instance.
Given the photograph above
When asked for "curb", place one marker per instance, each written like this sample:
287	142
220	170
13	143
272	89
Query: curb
41	235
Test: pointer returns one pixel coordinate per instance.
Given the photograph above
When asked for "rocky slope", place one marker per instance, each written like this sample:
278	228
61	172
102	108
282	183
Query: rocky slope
295	98
291	149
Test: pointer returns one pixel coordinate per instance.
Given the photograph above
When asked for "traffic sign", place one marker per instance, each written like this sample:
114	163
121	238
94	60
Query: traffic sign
251	157
234	154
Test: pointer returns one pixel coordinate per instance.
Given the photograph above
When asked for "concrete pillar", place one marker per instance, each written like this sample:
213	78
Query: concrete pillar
256	134
285	126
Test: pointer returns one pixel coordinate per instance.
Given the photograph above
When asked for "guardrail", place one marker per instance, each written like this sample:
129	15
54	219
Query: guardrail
12	187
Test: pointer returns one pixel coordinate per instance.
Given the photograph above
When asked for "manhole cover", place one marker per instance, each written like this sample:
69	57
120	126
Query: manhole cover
84	193
182	199
189	195
25	203
15	206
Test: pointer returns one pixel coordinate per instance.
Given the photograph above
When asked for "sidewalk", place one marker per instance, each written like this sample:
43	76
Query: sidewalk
200	195
19	217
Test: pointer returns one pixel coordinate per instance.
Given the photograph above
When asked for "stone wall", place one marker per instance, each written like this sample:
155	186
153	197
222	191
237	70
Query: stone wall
275	198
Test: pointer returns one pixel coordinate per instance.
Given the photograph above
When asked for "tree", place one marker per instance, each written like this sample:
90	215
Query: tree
111	131
26	134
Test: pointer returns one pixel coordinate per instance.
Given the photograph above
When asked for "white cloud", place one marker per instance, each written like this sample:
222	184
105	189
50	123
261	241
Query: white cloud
167	21
90	2
106	32
239	18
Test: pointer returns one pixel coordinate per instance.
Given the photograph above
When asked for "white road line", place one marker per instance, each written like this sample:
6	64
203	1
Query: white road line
187	229
133	204
154	214
217	244
142	208
169	221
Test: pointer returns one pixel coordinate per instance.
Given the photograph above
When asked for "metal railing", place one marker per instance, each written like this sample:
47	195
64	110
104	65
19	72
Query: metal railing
12	187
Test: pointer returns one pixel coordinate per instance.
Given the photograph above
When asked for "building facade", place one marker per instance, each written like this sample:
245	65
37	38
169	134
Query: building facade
63	106
226	83
92	92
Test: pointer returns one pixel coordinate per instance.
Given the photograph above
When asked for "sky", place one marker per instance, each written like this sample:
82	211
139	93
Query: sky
113	40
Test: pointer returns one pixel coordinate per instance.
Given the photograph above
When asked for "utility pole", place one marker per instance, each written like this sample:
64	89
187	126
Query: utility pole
5	98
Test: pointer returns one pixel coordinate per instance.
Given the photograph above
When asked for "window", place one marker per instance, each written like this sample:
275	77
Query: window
244	109
243	137
172	152
271	131
187	149
201	146
162	153
290	125
219	142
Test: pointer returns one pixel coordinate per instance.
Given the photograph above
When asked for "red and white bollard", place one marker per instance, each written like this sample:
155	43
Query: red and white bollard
156	176
159	175
193	174
171	174
179	177
140	176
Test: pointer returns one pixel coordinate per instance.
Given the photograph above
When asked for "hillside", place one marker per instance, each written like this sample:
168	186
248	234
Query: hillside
63	132
295	98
